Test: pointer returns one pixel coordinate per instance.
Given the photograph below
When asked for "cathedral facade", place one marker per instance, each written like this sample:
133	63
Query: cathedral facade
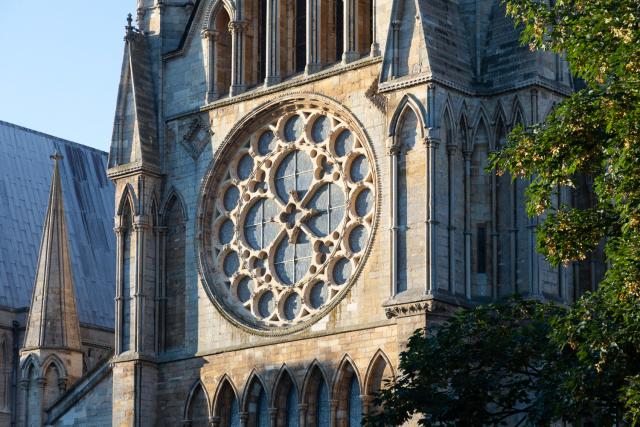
300	184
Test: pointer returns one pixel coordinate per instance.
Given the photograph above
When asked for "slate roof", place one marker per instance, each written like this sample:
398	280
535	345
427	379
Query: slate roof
25	177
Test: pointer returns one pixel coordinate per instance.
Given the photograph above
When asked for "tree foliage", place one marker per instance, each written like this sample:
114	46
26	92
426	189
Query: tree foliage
488	366
514	359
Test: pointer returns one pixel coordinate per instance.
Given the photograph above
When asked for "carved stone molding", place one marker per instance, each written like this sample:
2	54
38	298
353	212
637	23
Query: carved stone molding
194	134
417	307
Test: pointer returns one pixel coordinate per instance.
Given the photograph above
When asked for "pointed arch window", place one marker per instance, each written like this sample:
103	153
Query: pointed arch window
198	409
355	403
51	388
127	272
226	406
410	203
219	52
286	400
480	216
173	306
347	389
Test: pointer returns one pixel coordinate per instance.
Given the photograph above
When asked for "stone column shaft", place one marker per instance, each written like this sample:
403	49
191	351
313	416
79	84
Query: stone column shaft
350	52
237	29
313	36
211	38
273	44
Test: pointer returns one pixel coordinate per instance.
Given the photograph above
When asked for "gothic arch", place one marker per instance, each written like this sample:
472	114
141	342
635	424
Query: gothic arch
448	125
255	396
412	102
196	408
517	116
226	402
128	197
173	196
481	122
54	360
378	367
31	362
316	395
285	397
501	125
173	282
213	7
347	389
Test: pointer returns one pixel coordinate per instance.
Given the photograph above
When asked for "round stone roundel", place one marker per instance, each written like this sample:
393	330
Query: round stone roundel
288	219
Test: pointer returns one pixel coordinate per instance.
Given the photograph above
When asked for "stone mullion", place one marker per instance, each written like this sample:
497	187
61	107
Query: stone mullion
350	52
393	168
302	413
333	405
513	237
375	47
313	36
23	385
237	29
244	417
273	48
273	416
467	223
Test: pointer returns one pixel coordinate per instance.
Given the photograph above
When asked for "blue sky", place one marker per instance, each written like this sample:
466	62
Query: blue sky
60	66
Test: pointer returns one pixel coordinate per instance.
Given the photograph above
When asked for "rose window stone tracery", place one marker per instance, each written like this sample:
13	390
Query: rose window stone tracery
288	215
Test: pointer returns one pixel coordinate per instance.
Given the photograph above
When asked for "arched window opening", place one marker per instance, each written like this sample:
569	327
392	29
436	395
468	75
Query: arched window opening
286	401
524	238
300	35
355	403
330	32
255	42
198	411
349	410
504	222
174	277
51	385
480	215
316	397
379	373
364	26
262	41
292	25
411	204
128	270
227	406
338	25
256	404
222	53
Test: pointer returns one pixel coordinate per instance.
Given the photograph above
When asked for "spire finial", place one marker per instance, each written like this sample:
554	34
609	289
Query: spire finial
129	21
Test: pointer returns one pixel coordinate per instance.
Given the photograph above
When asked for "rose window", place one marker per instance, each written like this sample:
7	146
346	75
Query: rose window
287	219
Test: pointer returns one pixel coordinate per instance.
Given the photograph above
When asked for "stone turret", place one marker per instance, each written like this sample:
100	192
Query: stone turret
51	356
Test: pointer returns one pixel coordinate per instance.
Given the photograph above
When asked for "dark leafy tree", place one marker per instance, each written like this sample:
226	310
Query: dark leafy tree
504	362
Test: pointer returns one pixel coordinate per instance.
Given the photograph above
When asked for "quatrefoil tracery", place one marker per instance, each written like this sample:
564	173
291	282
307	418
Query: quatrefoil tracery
292	216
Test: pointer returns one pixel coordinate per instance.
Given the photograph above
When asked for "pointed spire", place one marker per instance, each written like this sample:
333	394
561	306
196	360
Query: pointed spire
53	318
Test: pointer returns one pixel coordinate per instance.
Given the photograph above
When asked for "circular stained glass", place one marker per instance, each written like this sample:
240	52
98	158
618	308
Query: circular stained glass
266	143
284	229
